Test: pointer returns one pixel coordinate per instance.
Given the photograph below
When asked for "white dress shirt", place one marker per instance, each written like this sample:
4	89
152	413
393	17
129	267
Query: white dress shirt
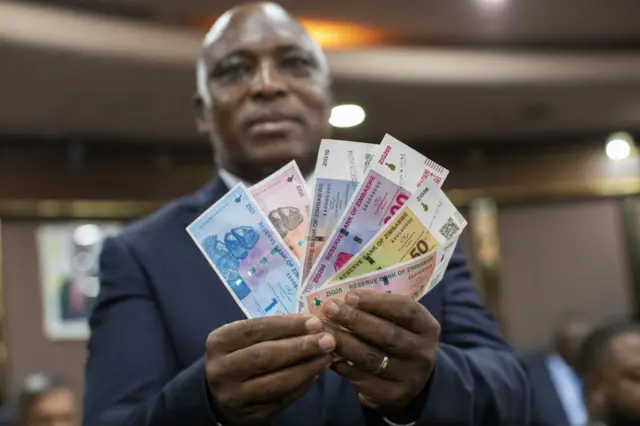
569	389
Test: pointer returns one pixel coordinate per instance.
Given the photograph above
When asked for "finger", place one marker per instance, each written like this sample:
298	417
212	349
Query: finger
241	334
291	398
398	309
267	410
265	357
352	373
381	333
279	384
360	354
377	388
367	402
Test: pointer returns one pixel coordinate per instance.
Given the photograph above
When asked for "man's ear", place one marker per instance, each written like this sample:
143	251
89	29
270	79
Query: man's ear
203	123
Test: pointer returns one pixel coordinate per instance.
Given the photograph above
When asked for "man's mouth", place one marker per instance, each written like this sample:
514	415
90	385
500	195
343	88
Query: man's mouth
273	125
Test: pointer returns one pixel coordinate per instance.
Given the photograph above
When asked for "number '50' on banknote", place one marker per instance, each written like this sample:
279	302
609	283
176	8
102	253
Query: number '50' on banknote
396	171
248	255
427	220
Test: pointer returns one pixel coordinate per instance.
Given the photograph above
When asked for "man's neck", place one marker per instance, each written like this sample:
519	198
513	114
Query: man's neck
251	173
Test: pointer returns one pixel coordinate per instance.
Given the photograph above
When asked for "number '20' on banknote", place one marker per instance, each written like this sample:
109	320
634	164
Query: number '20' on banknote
409	278
248	255
396	170
283	197
426	221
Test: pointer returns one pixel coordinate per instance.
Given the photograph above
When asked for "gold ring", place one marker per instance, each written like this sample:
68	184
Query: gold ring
383	365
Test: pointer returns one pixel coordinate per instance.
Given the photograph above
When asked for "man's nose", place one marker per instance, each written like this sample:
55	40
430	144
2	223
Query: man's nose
268	82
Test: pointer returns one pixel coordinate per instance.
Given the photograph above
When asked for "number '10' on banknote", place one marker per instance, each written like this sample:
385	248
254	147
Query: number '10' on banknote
248	255
339	169
396	171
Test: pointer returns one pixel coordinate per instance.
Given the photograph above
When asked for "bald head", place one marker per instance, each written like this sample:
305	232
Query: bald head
263	91
253	16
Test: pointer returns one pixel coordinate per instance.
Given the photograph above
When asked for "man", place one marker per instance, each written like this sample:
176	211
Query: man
610	368
170	347
557	389
43	400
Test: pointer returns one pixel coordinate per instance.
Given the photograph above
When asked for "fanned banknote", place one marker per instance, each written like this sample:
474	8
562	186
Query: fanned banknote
396	171
446	252
427	220
340	167
410	278
284	199
248	254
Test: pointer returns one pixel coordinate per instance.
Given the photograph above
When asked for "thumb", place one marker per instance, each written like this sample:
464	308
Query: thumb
367	402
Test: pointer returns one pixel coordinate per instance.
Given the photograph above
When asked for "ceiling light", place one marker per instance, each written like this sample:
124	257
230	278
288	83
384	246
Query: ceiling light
492	3
342	35
87	235
346	115
619	146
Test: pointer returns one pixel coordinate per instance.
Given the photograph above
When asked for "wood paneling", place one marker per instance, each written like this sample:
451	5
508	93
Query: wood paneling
28	349
561	258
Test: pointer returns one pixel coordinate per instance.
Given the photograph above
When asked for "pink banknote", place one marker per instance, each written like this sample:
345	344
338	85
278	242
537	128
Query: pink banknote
396	171
284	199
410	278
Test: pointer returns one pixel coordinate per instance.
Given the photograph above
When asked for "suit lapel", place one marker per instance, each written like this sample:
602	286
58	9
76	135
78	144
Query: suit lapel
555	404
204	198
207	295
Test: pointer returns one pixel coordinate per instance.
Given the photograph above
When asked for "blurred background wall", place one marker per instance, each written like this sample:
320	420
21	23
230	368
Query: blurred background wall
516	98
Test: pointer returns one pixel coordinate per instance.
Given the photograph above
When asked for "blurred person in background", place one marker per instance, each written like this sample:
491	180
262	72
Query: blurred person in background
44	401
557	389
169	346
610	369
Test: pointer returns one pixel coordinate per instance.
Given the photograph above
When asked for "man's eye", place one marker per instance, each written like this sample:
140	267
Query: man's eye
296	63
232	71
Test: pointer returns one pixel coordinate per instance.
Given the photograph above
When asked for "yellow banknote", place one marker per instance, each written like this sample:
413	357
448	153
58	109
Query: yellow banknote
411	278
426	221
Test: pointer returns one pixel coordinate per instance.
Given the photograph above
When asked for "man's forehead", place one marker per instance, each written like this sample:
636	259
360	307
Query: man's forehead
626	348
248	26
627	342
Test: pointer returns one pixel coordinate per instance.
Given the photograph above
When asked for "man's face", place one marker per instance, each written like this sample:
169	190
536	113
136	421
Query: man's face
269	89
620	387
55	408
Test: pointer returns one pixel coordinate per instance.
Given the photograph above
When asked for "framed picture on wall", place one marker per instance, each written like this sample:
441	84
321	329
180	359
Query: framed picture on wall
68	259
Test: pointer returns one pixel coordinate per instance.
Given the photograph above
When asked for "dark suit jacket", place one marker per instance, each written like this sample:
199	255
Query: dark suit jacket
159	299
8	416
547	408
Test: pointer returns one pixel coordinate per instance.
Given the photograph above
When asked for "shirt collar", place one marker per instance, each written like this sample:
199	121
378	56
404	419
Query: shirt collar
568	388
231	180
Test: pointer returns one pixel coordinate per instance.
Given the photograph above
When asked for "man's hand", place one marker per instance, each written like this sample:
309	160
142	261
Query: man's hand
255	368
389	345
